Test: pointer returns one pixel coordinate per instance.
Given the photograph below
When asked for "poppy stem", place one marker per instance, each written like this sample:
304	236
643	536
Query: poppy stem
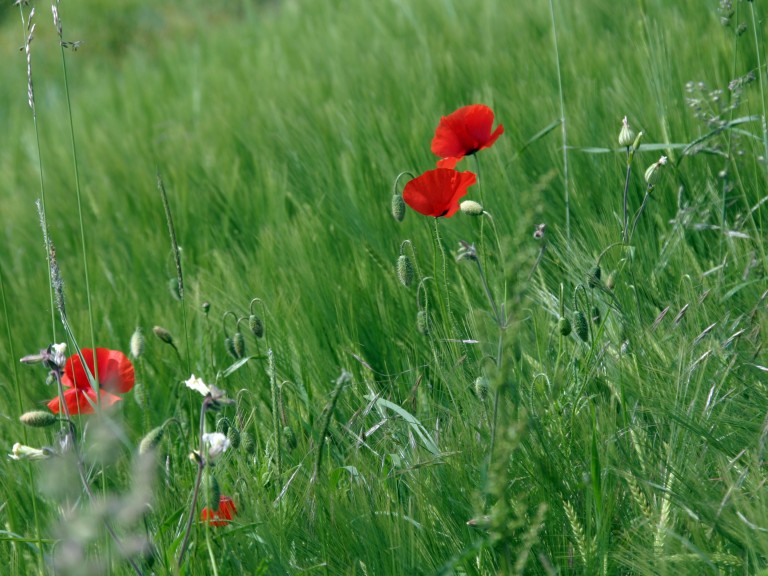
625	232
196	489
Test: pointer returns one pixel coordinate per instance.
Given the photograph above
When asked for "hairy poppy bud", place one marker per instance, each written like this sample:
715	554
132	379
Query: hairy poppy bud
163	334
564	326
151	440
593	277
580	323
223	425
422	322
211	491
229	345
175	288
137	343
481	387
140	396
290	437
38	419
238	342
233	435
398	207
626	135
256	325
404	270
471	208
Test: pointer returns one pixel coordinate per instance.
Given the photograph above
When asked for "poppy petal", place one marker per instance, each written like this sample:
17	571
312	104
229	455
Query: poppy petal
436	192
448	162
464	132
112	368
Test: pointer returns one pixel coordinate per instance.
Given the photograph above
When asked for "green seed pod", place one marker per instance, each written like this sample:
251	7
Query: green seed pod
290	437
211	491
206	306
140	396
564	326
626	135
238	343
595	315
593	277
38	419
404	270
580	323
248	443
137	343
256	325
233	435
422	322
175	288
229	345
481	387
151	440
163	334
398	207
223	425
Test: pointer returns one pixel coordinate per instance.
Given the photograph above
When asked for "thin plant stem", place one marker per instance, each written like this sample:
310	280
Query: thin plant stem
625	231
276	430
196	489
639	212
563	125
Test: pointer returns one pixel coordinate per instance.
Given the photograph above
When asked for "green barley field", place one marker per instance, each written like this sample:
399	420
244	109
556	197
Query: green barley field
298	373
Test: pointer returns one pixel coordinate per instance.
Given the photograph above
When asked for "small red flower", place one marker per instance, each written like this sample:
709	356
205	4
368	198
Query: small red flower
464	132
115	374
223	515
437	192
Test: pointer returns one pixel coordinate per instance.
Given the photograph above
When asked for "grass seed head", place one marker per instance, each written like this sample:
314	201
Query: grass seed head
151	440
137	343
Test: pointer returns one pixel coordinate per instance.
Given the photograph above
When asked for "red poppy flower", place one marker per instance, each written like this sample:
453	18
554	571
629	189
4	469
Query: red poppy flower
115	374
463	133
437	192
223	515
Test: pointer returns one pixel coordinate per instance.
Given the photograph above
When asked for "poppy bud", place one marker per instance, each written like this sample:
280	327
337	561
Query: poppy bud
233	435
163	334
38	419
422	322
398	207
223	425
151	440
238	342
256	325
564	326
580	322
471	208
290	437
175	288
206	306
229	345
211	491
593	277
248	443
404	270
595	315
140	396
481	387
137	343
626	135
